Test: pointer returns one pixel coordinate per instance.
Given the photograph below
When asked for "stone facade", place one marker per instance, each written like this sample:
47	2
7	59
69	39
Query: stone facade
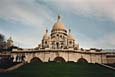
66	56
60	46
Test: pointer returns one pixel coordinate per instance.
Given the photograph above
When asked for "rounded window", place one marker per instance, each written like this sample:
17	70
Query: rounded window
57	34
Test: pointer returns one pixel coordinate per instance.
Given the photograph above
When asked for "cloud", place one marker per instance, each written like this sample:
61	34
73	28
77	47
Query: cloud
95	37
84	41
98	8
27	12
107	41
39	14
24	39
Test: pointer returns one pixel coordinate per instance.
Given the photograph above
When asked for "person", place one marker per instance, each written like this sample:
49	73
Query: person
12	58
17	58
23	56
49	60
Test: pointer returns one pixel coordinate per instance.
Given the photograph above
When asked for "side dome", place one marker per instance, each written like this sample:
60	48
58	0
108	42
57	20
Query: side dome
58	25
70	36
46	36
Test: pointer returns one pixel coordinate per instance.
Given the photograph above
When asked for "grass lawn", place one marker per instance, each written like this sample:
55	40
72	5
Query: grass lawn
60	70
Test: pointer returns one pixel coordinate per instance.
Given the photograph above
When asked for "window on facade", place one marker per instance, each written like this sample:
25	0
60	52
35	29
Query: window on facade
70	42
52	43
46	46
60	36
45	42
57	34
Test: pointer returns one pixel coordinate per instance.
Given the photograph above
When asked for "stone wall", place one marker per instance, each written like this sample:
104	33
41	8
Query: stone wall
67	55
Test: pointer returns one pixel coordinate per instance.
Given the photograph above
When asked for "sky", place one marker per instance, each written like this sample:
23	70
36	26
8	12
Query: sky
92	22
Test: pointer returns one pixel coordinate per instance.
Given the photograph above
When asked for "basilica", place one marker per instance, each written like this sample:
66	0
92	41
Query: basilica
59	38
60	46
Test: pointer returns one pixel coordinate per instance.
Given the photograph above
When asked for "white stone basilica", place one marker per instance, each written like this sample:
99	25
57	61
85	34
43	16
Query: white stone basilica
59	38
60	46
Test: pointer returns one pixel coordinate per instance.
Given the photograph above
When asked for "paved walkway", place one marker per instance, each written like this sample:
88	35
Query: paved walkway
2	70
11	68
107	66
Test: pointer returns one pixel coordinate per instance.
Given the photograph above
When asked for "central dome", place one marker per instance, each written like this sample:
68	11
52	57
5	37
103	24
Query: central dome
58	25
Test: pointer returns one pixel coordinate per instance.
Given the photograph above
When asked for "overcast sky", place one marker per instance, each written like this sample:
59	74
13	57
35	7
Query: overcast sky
92	22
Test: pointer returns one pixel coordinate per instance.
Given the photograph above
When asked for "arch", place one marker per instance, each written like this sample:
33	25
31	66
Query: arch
35	60
59	59
57	44
82	60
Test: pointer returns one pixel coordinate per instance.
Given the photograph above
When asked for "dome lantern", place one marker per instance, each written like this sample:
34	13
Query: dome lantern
59	18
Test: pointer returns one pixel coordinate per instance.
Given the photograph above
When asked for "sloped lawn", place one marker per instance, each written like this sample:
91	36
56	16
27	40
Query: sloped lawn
60	70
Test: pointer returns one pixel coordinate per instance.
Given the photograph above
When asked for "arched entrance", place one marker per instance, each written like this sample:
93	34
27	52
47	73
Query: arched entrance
35	60
57	45
59	59
82	60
